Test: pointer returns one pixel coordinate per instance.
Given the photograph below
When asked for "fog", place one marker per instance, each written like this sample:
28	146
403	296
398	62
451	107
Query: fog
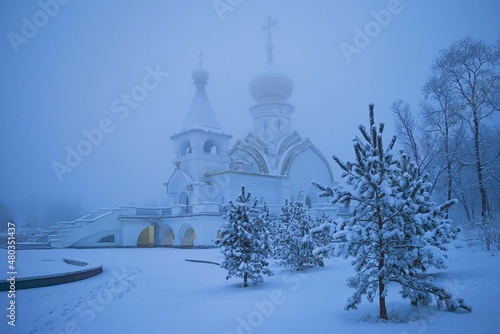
68	76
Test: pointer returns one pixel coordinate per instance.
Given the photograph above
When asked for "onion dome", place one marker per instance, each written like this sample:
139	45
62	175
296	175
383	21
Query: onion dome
271	84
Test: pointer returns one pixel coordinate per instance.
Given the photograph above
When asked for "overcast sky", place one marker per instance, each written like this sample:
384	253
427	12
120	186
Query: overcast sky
62	72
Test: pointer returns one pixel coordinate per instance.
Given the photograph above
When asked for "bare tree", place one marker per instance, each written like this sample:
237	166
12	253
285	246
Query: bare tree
413	139
471	67
406	130
443	125
490	140
463	179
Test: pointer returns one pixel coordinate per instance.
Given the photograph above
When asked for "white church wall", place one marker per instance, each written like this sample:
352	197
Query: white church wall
206	207
217	188
306	167
261	186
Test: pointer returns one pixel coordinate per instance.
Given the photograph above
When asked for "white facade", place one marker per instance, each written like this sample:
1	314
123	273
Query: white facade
273	162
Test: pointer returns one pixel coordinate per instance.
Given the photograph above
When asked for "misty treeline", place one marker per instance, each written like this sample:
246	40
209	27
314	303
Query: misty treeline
41	212
454	134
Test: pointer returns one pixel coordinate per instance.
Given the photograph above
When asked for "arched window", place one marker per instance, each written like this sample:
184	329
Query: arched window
221	199
185	148
108	238
210	147
308	202
183	199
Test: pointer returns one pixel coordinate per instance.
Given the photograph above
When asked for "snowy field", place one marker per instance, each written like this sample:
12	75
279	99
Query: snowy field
157	291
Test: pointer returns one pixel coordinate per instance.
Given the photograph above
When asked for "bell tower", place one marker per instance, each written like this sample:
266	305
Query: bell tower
201	146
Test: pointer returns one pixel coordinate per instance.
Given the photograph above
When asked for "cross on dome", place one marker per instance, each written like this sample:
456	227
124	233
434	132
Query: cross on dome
200	56
271	84
271	22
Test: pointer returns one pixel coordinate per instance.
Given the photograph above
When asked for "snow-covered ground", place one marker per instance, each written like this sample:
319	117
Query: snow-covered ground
157	291
40	264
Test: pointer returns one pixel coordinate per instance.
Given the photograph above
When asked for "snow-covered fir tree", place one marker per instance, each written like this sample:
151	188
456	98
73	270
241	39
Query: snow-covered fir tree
396	232
244	240
294	241
263	223
322	233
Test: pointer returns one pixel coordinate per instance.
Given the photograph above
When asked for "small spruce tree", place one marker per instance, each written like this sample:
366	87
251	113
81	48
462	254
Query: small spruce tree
263	223
322	232
396	232
244	240
294	241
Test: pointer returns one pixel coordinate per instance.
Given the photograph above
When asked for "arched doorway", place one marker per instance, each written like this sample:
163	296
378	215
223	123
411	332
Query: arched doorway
146	238
188	237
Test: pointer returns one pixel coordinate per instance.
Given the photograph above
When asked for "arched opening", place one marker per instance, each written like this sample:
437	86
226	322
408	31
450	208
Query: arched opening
308	202
168	238
219	235
183	199
188	237
210	147
222	203
146	238
221	199
185	148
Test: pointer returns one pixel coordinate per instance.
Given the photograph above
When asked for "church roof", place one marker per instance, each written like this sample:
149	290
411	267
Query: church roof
276	158
200	114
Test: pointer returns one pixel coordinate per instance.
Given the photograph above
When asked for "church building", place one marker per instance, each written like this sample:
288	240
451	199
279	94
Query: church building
273	161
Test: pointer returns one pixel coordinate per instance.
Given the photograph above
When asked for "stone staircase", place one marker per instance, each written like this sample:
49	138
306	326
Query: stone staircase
65	233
